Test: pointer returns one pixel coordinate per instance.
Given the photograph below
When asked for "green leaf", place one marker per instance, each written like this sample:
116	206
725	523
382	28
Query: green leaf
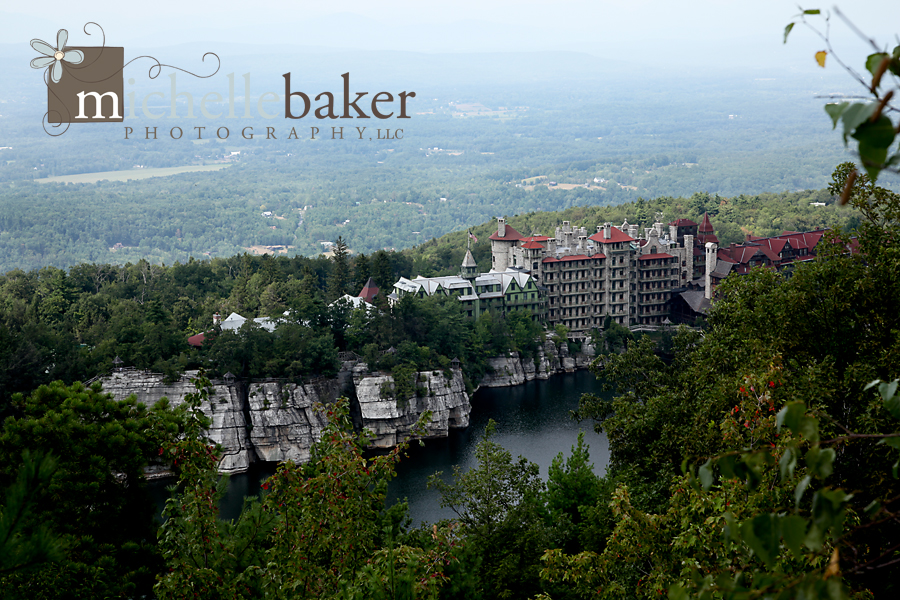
820	461
873	60
879	134
812	11
800	490
873	507
855	115
793	529
706	474
893	442
888	393
790	416
809	428
677	592
731	531
787	31
787	463
762	535
834	110
727	466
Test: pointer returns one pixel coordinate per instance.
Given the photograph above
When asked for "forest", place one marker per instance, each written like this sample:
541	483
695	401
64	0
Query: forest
757	458
748	461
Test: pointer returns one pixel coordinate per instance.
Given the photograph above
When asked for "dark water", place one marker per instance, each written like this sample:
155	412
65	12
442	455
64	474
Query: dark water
532	420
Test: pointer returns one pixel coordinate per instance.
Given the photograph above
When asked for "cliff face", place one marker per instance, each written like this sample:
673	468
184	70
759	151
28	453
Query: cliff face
391	419
224	407
549	359
274	420
285	426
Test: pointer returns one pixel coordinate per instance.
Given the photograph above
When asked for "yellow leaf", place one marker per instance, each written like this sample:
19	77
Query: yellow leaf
820	58
834	565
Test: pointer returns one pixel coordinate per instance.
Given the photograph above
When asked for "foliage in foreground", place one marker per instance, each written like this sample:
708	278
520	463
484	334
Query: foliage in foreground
320	531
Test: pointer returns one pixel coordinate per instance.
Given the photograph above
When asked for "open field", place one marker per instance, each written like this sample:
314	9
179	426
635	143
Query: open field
127	174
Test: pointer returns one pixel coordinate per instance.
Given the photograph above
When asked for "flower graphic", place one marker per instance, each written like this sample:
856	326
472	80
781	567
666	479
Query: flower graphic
54	57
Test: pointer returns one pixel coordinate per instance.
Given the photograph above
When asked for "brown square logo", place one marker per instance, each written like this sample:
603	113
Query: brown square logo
84	84
91	92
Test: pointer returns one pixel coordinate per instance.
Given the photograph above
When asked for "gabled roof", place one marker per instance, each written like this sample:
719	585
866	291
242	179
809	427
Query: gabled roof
615	235
722	270
507	277
535	238
683	223
369	291
654	256
511	235
196	340
706	226
351	301
533	246
697	300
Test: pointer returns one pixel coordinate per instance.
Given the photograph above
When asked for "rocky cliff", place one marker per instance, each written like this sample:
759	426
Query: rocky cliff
274	420
549	359
225	408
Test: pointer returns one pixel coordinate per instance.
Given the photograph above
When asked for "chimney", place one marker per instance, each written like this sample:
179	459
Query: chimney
501	227
217	318
633	231
673	233
582	243
607	231
711	256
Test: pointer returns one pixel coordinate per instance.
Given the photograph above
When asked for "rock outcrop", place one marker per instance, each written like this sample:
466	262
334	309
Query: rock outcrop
274	420
391	419
284	424
224	407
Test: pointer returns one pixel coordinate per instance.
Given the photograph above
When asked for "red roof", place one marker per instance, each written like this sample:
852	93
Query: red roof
369	292
533	246
654	256
683	223
196	340
722	254
535	238
511	235
615	235
706	226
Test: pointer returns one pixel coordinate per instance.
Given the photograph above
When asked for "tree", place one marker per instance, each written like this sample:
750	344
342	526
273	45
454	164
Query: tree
96	501
321	530
24	542
500	507
339	278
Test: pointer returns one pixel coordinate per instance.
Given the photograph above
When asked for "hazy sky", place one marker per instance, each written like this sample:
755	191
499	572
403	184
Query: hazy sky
696	32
